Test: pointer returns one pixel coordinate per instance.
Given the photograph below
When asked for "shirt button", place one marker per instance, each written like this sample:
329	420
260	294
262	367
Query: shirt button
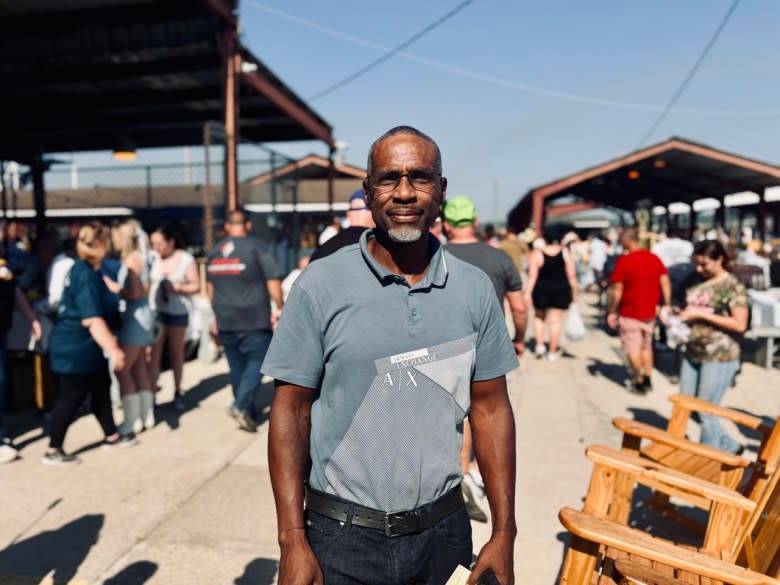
414	312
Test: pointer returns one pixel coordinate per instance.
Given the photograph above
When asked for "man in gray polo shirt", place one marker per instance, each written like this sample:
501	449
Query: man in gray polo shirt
373	381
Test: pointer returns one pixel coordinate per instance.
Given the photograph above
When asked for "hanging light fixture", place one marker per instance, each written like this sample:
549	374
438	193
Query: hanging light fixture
124	150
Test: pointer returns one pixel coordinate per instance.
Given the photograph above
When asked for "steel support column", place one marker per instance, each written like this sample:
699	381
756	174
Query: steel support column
331	173
720	215
761	219
39	195
208	210
692	221
231	70
538	212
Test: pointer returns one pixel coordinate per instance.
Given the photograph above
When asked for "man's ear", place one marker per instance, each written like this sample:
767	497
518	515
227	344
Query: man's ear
443	189
367	192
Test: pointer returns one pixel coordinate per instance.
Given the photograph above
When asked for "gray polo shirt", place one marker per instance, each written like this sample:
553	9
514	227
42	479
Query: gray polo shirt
392	367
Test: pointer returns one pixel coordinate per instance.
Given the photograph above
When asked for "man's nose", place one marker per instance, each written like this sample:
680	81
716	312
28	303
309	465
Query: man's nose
405	191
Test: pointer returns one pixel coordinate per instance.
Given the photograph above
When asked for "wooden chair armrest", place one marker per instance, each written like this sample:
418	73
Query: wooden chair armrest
650	472
699	405
645	431
635	574
638	543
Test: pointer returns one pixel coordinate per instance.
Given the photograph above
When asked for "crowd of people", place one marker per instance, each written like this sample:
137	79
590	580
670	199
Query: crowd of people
398	331
109	300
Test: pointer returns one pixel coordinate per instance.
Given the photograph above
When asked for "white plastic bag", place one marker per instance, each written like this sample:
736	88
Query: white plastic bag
574	328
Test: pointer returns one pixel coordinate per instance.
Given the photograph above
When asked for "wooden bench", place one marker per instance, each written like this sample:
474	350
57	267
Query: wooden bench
768	334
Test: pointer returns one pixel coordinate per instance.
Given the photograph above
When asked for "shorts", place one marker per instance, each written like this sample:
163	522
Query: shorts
174	320
635	335
552	300
137	327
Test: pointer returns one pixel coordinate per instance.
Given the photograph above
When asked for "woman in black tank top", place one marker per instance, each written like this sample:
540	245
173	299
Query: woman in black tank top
552	287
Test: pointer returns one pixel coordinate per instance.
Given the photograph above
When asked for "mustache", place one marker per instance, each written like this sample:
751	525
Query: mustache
405	209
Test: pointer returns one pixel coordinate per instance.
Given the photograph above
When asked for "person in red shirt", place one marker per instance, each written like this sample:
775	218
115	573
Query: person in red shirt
637	283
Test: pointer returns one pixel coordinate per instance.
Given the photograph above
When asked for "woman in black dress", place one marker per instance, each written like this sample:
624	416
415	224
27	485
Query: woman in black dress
552	287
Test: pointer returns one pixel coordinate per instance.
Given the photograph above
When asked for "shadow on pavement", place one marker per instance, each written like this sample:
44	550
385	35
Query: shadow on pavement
21	423
257	572
650	417
613	372
134	574
648	520
193	397
564	538
61	550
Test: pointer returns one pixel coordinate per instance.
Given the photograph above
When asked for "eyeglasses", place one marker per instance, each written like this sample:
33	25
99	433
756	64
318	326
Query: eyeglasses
419	180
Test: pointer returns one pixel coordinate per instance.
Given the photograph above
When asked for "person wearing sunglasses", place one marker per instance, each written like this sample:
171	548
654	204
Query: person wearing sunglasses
373	382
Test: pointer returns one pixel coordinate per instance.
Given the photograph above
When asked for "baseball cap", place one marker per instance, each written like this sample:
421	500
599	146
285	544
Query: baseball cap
460	211
360	196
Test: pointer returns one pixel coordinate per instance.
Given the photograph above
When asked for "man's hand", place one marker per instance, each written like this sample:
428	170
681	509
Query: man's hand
496	555
275	314
36	329
112	285
297	564
663	314
612	320
691	314
519	345
117	357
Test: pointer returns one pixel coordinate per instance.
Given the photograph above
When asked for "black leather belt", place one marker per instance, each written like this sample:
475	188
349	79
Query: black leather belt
391	523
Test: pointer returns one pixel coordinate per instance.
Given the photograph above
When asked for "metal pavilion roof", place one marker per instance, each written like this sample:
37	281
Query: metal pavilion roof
89	74
668	172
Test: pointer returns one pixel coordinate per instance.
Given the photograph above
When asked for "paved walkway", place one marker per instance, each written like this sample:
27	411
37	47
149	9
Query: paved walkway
193	503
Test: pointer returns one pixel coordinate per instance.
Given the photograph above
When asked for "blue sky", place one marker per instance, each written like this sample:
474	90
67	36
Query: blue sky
482	83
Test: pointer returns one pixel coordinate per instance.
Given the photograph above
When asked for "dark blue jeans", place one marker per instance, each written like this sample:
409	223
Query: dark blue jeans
355	555
245	352
2	382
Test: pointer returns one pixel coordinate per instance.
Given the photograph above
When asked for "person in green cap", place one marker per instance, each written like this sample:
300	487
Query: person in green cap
460	227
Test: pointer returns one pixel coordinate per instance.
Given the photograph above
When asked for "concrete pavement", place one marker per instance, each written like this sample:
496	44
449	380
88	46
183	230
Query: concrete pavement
193	504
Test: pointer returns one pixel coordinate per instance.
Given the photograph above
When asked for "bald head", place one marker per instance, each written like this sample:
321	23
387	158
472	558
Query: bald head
237	225
630	238
410	130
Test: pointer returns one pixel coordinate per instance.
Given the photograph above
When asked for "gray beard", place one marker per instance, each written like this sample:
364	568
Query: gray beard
405	235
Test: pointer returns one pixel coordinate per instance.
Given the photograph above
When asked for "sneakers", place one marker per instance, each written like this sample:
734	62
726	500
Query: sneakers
540	350
59	457
474	498
179	404
640	387
553	356
7	451
245	422
123	441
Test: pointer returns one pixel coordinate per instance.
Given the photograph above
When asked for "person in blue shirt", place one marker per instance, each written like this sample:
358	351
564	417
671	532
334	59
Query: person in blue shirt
79	343
10	297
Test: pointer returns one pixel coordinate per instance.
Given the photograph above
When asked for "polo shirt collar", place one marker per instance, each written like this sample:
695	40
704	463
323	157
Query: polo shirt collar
437	266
